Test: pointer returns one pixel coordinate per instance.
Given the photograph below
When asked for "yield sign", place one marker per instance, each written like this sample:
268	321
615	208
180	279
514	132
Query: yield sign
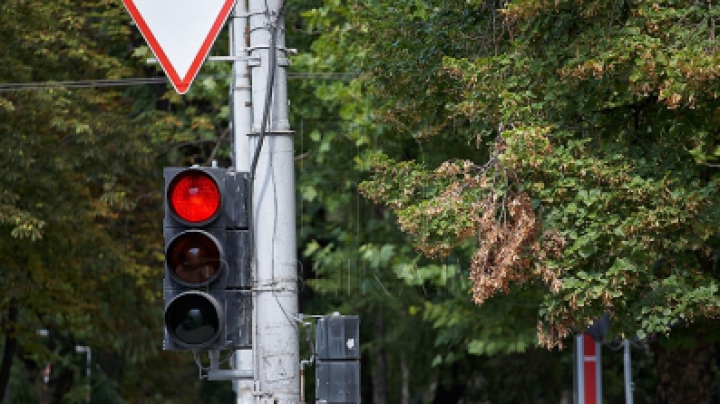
180	33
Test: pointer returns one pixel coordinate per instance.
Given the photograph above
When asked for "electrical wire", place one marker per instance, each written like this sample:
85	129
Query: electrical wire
308	339
272	50
270	85
263	127
139	81
50	85
201	368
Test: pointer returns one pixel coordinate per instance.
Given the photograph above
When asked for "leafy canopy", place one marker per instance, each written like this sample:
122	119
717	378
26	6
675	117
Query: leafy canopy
597	144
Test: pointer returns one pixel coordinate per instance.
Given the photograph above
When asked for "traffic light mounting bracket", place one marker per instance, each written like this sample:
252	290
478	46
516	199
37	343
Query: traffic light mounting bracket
217	374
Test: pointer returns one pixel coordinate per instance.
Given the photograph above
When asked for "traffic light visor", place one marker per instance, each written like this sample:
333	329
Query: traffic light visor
194	197
194	258
193	319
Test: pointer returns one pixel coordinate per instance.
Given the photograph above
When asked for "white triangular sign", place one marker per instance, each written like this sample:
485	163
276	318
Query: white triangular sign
180	33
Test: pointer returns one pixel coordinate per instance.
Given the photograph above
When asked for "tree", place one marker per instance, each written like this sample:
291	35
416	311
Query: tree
79	202
594	180
423	333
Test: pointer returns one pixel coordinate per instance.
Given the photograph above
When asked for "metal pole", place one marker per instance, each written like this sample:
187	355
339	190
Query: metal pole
598	371
241	110
88	369
276	346
89	373
579	370
628	373
241	93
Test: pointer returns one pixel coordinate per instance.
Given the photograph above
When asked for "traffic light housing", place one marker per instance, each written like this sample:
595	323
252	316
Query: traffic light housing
337	350
206	289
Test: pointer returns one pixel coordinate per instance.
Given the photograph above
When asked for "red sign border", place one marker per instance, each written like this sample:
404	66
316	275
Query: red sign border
181	84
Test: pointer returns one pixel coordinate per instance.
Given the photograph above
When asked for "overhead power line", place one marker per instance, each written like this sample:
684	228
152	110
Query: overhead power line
47	85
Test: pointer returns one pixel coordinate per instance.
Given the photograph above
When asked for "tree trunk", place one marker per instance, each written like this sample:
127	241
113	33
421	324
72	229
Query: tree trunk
405	373
684	372
449	389
10	347
380	374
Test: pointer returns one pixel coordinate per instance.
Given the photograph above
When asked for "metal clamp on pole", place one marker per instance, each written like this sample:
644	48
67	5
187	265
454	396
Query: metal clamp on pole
291	51
215	373
154	61
275	133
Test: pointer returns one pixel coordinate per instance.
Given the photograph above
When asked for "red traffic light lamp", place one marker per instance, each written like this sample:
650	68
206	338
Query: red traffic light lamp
194	197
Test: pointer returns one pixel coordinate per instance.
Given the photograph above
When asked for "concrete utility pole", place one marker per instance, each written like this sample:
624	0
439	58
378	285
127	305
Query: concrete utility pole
241	110
275	339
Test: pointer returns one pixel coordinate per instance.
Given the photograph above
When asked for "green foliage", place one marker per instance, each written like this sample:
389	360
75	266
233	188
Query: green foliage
607	115
360	263
74	162
79	202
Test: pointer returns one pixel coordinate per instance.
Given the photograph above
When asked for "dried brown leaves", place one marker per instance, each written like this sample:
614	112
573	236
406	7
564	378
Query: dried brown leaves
509	244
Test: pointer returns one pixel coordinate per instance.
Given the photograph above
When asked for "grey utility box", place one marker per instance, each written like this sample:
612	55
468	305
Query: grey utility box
337	337
338	382
337	346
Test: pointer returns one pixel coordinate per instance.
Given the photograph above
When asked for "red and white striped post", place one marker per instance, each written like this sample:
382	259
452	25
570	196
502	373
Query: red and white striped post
588	370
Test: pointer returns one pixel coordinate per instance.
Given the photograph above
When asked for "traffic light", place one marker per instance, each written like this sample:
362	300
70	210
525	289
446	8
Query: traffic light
208	302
